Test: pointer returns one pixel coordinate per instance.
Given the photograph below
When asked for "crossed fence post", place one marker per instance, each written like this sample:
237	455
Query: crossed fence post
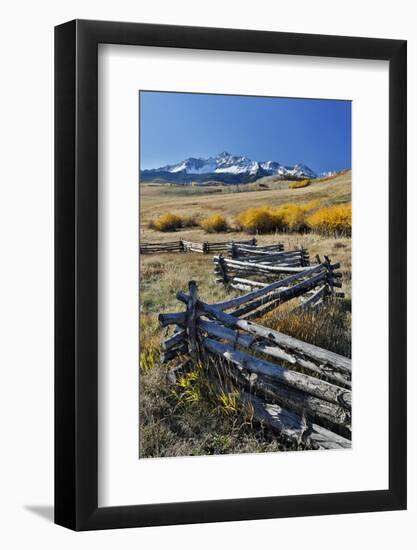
191	317
223	268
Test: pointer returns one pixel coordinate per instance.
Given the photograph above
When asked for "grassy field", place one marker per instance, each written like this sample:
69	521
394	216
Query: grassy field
230	201
190	418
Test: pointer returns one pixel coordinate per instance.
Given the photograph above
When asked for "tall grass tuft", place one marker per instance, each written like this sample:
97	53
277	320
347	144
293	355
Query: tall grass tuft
328	327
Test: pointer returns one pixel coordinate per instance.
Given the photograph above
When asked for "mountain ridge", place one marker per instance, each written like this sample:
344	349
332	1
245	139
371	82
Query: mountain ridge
227	168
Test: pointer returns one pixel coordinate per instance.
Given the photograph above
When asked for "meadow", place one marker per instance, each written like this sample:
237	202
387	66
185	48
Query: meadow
190	418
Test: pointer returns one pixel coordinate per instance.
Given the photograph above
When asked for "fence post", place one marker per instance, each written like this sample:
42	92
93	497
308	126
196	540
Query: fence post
191	321
223	269
329	276
305	260
206	247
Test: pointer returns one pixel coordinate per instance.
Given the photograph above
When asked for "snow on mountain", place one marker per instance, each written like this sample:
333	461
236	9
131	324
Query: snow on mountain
228	168
327	174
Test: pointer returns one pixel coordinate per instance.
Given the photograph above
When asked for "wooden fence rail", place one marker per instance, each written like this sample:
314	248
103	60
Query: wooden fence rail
273	254
241	249
312	285
297	389
259	271
205	247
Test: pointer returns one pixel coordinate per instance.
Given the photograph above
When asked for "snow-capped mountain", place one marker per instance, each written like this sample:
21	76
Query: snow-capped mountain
227	168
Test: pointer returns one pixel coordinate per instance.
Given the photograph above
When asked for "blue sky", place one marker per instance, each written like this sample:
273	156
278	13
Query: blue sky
175	126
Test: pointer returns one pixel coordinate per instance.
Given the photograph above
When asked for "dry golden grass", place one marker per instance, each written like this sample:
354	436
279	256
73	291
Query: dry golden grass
198	423
189	420
228	202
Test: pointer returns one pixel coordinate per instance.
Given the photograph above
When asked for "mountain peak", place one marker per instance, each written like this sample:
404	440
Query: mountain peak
227	168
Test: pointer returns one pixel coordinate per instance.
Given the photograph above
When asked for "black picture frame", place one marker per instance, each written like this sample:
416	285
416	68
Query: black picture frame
76	272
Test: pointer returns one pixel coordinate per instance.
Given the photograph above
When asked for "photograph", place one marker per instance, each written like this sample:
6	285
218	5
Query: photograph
245	274
208	297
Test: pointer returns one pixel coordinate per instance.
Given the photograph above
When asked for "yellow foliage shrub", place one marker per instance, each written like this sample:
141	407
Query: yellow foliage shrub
311	205
294	217
332	220
215	224
166	222
261	219
299	184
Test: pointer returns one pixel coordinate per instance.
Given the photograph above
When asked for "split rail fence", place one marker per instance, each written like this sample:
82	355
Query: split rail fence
312	284
261	268
297	389
205	247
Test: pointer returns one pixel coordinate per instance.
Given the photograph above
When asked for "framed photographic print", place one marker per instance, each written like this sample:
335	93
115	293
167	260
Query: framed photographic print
230	275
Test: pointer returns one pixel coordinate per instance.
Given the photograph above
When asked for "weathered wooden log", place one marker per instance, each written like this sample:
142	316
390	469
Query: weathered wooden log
159	250
174	340
292	426
166	319
248	242
282	295
336	284
324	357
260	266
309	384
184	246
191	321
250	342
238	301
328	415
238	286
244	340
272	272
294	260
222	269
246	246
249	282
158	245
264	269
315	297
173	353
262	253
